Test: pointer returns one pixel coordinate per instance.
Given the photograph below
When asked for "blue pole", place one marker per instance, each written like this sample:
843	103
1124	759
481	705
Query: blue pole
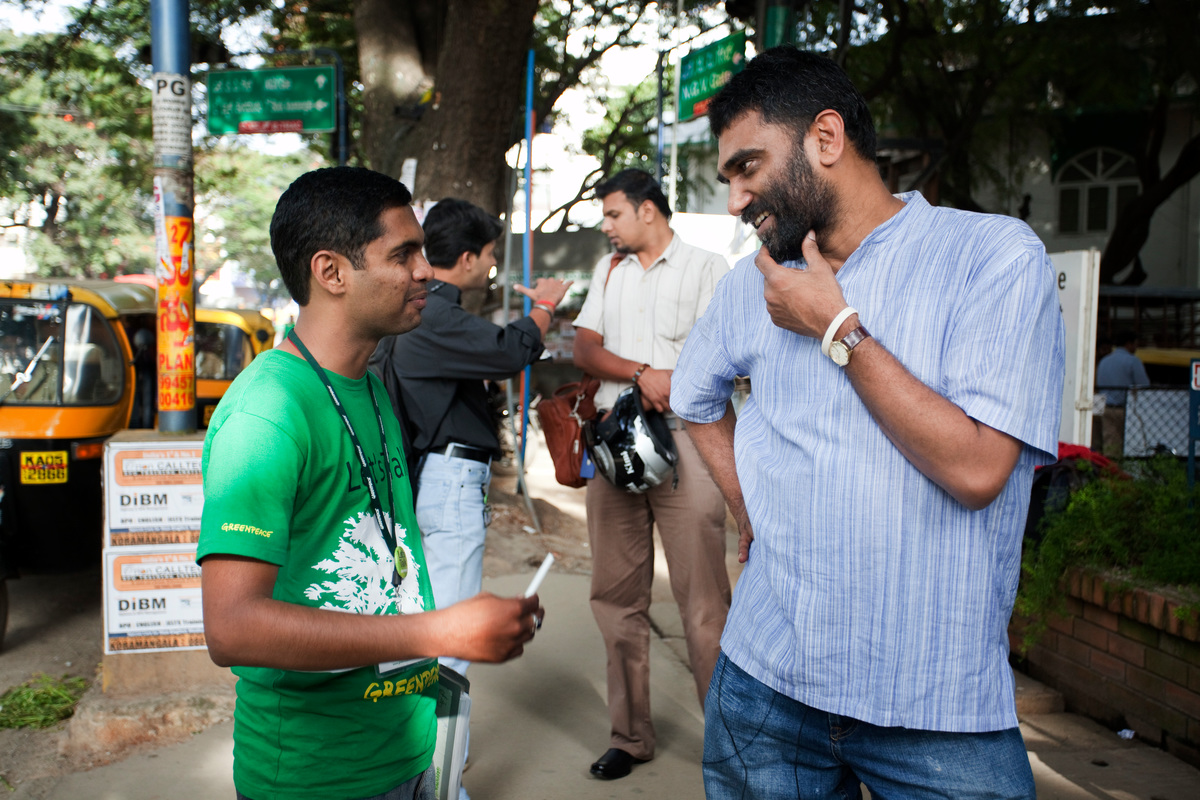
174	224
169	36
527	240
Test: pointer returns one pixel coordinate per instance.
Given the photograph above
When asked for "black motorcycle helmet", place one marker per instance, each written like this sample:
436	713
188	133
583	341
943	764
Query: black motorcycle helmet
632	447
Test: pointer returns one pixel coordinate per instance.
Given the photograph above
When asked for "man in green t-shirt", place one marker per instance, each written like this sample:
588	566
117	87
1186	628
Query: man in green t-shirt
315	585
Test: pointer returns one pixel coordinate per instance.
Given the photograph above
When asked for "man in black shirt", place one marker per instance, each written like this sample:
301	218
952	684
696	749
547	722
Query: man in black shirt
442	366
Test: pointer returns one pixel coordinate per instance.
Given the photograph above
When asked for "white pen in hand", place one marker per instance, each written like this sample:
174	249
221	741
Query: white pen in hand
537	582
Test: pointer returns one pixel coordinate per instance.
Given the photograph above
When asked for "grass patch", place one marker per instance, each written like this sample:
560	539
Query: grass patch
41	701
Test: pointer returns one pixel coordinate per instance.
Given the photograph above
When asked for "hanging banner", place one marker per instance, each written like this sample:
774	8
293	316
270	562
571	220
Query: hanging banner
176	328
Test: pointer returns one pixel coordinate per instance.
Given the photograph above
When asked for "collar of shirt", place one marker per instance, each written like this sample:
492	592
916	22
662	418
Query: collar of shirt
446	290
916	210
669	257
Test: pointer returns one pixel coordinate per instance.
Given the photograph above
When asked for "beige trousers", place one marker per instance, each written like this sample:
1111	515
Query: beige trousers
1113	426
691	523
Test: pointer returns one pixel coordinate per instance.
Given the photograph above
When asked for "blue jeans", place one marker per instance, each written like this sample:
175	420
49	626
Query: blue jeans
759	743
452	515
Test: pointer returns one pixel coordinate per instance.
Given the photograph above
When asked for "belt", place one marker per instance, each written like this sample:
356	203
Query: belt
456	450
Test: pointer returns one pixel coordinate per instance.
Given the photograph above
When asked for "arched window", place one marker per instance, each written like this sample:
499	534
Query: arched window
1093	188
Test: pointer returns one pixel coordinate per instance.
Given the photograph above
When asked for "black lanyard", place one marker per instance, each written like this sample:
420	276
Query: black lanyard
389	536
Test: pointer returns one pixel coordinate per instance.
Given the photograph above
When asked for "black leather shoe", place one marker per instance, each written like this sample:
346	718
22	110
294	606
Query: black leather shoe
614	764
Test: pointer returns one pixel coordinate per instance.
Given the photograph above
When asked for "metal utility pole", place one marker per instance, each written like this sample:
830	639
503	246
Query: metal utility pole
658	171
173	223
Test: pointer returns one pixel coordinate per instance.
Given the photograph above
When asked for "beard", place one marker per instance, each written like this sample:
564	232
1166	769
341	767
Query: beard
798	201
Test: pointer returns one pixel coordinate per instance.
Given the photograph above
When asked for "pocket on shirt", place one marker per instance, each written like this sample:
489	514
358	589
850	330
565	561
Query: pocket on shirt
675	314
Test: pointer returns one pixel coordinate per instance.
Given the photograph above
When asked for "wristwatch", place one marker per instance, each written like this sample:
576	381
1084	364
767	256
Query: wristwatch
840	350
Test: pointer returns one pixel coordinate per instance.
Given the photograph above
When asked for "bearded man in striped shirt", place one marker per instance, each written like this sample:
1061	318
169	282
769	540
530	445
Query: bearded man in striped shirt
880	478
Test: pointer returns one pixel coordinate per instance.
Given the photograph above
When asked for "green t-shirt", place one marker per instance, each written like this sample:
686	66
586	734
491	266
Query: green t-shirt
283	484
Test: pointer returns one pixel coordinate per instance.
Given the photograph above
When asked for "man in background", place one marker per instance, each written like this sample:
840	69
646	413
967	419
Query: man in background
641	306
1116	372
440	368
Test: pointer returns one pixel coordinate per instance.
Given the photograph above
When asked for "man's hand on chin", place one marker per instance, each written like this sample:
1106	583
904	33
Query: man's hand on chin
803	301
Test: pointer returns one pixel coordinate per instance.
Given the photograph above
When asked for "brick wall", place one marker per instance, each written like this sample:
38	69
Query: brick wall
1123	657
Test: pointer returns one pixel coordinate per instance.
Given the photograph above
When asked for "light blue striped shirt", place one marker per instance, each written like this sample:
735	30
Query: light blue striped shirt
870	592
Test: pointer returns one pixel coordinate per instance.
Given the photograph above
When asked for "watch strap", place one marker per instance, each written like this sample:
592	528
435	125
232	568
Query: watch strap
841	317
855	337
841	350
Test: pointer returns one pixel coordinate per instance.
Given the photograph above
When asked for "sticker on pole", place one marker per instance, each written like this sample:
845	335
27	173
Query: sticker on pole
175	242
172	110
1196	376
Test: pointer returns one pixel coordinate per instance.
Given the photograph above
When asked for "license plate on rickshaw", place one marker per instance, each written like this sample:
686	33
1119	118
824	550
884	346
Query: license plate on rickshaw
44	466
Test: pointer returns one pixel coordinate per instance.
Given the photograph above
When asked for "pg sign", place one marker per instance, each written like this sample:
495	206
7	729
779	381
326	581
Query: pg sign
703	72
287	99
172	111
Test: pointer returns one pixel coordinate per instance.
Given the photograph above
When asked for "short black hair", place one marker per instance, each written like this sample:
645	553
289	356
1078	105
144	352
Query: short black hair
791	87
638	186
336	209
453	227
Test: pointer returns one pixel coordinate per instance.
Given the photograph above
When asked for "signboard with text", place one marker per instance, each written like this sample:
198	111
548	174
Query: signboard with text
152	601
152	493
703	72
285	99
1077	275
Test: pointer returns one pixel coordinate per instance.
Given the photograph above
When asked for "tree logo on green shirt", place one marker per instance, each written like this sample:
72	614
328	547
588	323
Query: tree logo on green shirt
362	567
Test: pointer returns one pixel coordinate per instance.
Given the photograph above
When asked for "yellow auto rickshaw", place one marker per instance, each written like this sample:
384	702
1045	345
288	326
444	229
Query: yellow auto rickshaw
226	341
77	364
67	383
1168	366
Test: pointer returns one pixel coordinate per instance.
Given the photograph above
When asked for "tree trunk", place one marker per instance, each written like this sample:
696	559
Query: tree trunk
397	56
1132	227
460	136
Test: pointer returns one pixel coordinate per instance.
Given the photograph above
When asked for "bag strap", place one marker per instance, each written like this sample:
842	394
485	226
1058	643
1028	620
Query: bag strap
614	259
579	399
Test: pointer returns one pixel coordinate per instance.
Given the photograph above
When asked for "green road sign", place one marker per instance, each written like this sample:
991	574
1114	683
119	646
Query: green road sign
287	99
704	71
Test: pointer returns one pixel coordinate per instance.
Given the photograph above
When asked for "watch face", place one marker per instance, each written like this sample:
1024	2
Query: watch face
839	353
